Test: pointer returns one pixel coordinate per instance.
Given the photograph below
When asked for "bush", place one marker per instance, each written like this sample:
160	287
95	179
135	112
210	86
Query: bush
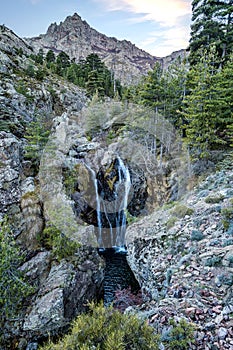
13	286
180	336
171	222
214	261
107	329
180	211
196	235
227	216
125	298
61	246
214	199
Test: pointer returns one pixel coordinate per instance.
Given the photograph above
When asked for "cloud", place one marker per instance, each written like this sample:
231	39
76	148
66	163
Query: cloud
164	42
165	12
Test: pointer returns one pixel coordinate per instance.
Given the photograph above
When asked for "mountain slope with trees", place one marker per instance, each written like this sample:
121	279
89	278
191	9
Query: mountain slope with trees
172	128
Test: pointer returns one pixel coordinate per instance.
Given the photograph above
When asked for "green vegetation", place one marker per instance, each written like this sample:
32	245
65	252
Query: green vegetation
197	97
227	216
211	24
214	261
107	329
53	239
171	222
37	134
181	335
13	285
214	199
22	89
196	235
180	211
90	74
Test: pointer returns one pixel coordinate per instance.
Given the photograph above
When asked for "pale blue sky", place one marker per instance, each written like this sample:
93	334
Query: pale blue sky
156	26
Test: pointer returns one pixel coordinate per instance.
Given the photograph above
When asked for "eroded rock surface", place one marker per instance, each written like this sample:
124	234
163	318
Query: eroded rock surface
182	258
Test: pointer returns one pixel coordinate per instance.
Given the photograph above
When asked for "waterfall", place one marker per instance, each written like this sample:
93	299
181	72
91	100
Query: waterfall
111	200
98	211
121	218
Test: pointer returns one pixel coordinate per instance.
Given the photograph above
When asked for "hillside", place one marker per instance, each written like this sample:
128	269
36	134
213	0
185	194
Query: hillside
79	173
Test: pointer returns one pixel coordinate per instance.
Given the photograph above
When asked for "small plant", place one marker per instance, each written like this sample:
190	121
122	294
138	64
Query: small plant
21	88
70	180
181	335
226	279
230	259
13	285
125	298
171	222
180	211
61	246
214	199
37	134
107	329
196	235
130	218
214	261
227	216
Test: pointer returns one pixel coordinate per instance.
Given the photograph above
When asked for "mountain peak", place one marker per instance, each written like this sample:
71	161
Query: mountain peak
75	37
73	18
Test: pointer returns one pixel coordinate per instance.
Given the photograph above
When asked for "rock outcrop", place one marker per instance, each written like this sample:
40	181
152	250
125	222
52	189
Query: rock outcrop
75	37
62	288
182	257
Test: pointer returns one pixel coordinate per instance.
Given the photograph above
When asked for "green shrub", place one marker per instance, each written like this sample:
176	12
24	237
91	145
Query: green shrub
22	89
180	336
214	199
214	261
227	216
180	211
107	329
196	235
61	246
226	279
171	222
13	286
37	134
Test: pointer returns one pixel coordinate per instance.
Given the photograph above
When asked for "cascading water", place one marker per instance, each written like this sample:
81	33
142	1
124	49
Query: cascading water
124	177
112	189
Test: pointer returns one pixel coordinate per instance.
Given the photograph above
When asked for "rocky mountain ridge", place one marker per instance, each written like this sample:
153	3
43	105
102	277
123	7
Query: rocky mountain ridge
75	37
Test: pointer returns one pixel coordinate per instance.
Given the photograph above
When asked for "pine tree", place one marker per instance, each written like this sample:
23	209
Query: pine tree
212	23
152	90
208	107
37	134
50	58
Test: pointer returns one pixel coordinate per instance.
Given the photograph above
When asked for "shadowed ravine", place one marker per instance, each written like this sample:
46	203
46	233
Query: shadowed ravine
118	274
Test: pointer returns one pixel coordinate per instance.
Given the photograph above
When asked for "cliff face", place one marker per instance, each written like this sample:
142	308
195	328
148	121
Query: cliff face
75	37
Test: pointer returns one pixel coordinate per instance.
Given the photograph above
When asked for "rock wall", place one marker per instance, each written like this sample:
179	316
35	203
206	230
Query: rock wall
62	288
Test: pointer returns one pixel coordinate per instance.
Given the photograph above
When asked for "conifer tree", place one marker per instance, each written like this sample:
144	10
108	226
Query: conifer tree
208	107
212	23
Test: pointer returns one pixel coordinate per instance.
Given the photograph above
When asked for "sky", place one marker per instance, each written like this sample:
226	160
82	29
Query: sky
156	26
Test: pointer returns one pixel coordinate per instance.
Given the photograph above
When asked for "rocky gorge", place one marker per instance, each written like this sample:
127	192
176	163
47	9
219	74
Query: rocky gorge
179	217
